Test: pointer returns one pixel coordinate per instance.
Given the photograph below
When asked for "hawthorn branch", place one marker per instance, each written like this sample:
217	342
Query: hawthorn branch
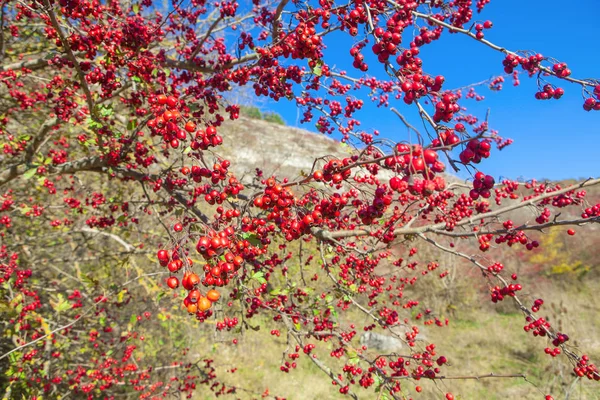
93	163
112	236
39	139
315	360
501	49
466	377
79	318
276	18
71	55
33	65
440	227
526	311
405	121
205	37
138	176
192	66
523	227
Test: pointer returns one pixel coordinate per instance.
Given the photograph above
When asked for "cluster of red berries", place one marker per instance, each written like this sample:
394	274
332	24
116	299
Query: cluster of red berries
498	293
420	85
564	200
544	216
446	108
530	64
549	92
359	58
415	186
448	137
495	268
387	45
537	304
482	185
287	366
475	151
561	70
334	171
552	352
537	327
368	212
194	301
304	40
416	160
413	161
227	323
167	120
353	18
480	27
594	105
560	339
588	370
591	104
591	212
411	64
219	271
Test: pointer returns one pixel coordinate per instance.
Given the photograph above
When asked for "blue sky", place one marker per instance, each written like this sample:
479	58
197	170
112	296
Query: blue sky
554	139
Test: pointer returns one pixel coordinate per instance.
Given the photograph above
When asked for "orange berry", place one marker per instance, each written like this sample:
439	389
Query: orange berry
213	295
204	304
192	308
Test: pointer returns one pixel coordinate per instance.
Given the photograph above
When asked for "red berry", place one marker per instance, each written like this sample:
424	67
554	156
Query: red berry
173	282
190	126
171	102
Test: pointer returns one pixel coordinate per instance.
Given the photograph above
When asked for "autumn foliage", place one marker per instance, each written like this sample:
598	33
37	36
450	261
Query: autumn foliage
120	212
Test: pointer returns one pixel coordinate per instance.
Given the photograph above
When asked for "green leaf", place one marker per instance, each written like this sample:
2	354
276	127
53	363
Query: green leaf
160	296
93	125
136	79
25	210
29	173
378	382
132	124
318	68
259	276
252	238
133	319
135	8
59	303
106	110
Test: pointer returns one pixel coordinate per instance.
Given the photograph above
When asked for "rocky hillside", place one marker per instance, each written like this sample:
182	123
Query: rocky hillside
275	149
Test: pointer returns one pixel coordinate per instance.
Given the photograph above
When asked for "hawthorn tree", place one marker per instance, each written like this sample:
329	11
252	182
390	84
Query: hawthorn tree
111	122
